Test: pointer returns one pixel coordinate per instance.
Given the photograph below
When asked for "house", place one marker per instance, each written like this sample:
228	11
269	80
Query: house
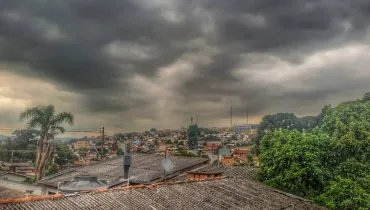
213	145
241	154
81	144
242	128
227	161
230	193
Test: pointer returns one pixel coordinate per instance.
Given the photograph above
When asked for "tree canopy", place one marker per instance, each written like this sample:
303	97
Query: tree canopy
279	121
193	135
330	164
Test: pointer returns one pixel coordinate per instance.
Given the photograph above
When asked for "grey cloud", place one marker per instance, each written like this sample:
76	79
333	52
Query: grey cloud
95	48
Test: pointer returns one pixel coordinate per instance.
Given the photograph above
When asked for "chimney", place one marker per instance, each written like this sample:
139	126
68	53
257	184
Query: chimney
126	161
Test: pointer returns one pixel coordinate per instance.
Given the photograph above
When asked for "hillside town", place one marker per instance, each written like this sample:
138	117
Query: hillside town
222	146
222	157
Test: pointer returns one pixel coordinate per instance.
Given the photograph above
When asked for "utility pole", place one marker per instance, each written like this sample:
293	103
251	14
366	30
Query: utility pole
102	146
191	120
247	117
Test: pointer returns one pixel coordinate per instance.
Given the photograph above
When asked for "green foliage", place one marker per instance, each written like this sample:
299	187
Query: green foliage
366	97
184	153
292	162
118	137
289	121
119	151
153	130
23	146
25	137
344	193
330	164
64	155
30	180
52	169
83	152
193	135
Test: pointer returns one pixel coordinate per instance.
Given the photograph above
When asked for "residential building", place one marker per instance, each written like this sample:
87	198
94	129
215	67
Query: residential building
242	128
241	154
81	144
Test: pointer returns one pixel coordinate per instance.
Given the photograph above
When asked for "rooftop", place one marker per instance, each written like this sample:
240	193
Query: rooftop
233	193
145	168
10	193
246	172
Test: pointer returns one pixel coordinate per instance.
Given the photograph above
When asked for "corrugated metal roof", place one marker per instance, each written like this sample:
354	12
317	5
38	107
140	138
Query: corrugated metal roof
145	168
235	193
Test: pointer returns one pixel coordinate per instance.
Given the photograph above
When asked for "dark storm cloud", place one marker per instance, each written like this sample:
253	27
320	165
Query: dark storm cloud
70	43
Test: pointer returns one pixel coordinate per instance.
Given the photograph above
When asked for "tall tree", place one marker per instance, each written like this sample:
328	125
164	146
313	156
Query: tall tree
153	131
193	134
48	123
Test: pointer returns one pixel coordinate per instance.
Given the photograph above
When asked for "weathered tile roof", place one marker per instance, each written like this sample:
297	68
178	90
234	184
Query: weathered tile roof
145	168
247	172
233	193
231	171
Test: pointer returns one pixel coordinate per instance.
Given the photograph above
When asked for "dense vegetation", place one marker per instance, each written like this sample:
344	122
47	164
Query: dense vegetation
286	121
330	164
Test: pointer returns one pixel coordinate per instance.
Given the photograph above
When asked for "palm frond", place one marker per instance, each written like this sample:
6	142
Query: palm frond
57	129
33	115
32	112
63	117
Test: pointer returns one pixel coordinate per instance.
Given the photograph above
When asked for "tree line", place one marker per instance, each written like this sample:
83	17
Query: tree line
329	163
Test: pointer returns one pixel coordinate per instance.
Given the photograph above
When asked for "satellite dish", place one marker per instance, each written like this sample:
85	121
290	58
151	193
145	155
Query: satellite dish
167	165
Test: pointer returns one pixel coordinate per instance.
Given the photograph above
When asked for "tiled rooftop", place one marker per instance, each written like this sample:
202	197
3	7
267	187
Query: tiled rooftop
246	172
233	193
231	171
145	168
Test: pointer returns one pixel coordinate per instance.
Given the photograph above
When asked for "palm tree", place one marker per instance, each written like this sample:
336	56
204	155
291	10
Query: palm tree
49	124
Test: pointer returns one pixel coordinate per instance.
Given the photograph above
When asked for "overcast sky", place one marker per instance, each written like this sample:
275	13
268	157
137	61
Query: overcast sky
137	64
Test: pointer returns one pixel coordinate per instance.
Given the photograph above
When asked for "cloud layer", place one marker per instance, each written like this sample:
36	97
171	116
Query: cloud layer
136	64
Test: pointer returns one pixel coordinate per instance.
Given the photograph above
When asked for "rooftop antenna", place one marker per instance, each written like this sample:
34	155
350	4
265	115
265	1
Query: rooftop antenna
231	114
167	165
